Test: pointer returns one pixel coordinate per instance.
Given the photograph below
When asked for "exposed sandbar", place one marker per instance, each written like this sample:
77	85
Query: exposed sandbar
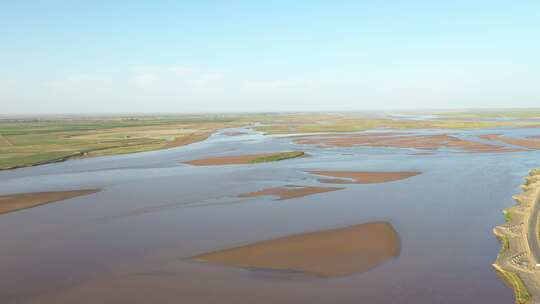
14	202
289	192
392	140
245	159
326	253
362	177
529	143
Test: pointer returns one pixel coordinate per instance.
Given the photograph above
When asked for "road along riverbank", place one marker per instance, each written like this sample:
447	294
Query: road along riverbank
518	262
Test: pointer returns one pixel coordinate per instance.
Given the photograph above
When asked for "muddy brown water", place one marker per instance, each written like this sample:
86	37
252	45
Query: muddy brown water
132	241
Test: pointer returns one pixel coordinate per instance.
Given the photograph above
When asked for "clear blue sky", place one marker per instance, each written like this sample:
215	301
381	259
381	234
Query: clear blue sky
196	56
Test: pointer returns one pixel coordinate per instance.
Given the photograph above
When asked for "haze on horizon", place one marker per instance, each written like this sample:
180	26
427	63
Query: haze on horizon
219	56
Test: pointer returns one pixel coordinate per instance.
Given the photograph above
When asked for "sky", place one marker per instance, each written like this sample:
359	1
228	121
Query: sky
267	56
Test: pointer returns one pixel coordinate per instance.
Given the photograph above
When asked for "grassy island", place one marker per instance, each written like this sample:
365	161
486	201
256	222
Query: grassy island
246	158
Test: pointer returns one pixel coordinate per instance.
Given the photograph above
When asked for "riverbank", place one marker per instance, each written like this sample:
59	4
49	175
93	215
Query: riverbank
32	142
518	262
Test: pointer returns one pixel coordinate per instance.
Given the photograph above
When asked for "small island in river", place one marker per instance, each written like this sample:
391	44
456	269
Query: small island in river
245	159
327	253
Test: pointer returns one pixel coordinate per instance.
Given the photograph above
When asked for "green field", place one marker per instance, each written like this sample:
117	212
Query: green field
32	142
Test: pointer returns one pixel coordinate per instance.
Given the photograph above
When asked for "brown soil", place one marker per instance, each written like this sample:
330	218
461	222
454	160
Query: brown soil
10	203
284	193
327	253
426	142
362	177
531	143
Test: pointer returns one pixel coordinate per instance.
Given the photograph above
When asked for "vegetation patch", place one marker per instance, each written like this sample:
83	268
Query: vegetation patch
521	292
507	215
505	243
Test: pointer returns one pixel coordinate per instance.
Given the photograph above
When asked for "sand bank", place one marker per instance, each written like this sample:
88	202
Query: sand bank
288	192
362	177
529	143
10	203
245	159
326	253
426	142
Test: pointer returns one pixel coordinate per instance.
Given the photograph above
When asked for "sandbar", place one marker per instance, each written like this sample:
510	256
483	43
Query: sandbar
14	202
328	253
392	140
289	192
362	177
530	143
245	159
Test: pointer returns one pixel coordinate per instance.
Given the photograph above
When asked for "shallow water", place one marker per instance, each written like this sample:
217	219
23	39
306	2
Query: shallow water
130	243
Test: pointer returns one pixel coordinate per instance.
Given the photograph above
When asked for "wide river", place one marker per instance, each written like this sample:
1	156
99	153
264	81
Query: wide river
131	242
